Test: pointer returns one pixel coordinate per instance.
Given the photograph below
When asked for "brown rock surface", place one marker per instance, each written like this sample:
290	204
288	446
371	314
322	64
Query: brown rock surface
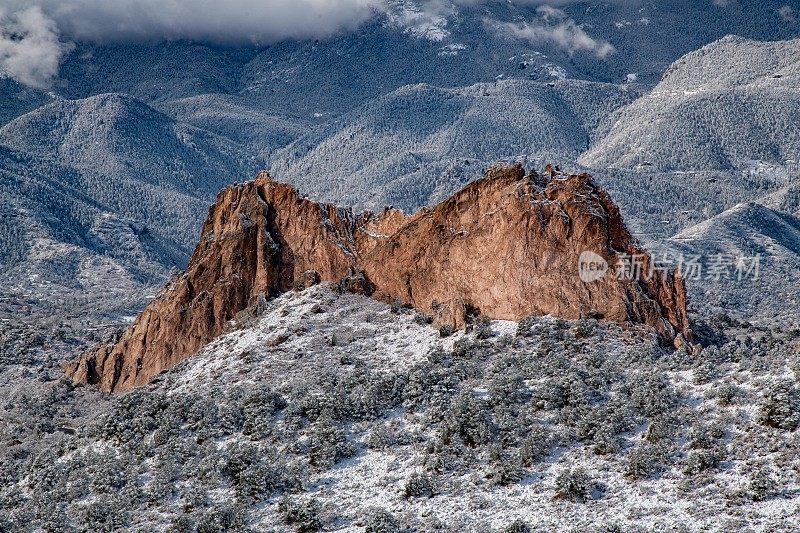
503	247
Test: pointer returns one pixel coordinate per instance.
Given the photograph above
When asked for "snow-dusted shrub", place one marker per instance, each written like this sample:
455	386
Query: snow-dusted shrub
662	429
605	441
585	328
552	394
427	381
381	521
575	485
161	488
51	516
328	445
222	517
517	526
229	419
194	498
380	438
474	349
258	407
181	524
528	326
208	465
304	514
419	485
256	474
132	418
644	461
396	306
241	456
467	420
506	469
443	457
9	472
483	328
536	446
700	460
704	437
371	394
780	407
258	481
599	422
721	321
507	385
106	514
294	415
647	355
727	393
761	486
652	393
705	372
510	427
423	319
356	395
50	475
385	436
505	340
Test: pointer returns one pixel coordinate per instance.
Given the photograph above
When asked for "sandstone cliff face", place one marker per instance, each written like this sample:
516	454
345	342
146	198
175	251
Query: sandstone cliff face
506	246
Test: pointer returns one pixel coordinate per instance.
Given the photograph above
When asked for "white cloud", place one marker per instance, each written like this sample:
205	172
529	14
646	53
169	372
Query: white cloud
30	50
256	21
787	13
554	27
550	13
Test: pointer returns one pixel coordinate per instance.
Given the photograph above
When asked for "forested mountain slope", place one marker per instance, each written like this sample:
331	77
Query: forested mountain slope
750	261
420	143
722	107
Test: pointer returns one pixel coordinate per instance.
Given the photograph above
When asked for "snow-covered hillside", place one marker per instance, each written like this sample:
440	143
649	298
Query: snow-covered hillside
420	143
332	411
730	103
132	159
322	410
103	195
767	294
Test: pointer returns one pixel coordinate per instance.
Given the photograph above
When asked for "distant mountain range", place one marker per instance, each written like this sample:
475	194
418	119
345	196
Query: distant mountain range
109	174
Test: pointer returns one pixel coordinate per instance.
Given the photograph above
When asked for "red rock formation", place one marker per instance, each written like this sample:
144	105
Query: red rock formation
504	246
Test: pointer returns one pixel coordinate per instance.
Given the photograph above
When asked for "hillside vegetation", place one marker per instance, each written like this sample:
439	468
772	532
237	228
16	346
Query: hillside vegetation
335	412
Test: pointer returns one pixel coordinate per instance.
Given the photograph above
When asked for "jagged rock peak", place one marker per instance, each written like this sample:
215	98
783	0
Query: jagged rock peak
506	246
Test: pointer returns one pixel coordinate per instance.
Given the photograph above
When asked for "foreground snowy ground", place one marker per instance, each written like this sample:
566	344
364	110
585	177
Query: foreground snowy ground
334	412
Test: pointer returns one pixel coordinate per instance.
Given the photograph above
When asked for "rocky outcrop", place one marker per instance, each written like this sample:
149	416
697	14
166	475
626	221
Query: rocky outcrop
506	246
